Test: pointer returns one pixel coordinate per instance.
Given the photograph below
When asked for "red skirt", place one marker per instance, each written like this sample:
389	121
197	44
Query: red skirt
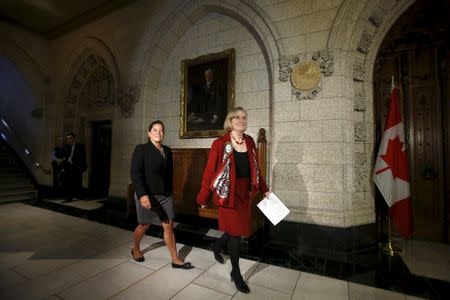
236	221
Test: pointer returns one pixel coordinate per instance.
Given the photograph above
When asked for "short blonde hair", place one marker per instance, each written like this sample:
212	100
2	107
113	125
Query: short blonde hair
227	124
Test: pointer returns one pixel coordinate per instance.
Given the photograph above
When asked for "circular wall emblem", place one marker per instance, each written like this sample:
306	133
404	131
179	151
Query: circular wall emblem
305	76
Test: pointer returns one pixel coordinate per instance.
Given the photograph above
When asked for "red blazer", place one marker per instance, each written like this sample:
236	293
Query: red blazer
213	165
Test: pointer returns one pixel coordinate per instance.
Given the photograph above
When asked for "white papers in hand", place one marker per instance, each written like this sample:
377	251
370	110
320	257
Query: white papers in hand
273	208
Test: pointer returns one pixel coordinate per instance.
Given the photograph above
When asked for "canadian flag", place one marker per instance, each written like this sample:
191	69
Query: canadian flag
391	172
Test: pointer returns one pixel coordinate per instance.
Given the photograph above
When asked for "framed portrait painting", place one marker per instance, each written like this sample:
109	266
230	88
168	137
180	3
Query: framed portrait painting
207	94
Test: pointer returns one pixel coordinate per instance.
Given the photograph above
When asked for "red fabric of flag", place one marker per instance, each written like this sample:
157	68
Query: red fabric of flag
391	172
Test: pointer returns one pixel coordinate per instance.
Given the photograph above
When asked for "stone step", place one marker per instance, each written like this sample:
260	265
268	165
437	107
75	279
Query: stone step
16	185
14	198
12	192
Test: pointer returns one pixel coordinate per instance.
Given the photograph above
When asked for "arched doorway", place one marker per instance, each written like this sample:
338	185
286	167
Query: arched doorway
89	111
416	51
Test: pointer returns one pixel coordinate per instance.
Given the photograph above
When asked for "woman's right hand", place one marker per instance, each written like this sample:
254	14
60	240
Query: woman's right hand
203	206
145	202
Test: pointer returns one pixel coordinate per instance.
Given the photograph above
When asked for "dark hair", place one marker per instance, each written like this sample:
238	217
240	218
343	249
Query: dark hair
154	123
70	133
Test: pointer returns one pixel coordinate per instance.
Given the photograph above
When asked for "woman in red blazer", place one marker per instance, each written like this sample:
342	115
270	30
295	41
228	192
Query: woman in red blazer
233	174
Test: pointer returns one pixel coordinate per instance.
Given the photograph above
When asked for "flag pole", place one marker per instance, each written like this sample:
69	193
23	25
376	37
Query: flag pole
388	248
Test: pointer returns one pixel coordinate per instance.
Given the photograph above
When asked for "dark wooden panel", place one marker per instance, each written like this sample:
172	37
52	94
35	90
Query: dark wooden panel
188	171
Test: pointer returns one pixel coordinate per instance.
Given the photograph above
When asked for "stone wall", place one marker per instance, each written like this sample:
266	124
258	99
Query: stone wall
320	148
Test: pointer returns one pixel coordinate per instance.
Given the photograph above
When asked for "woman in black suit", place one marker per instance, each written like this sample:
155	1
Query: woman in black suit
151	174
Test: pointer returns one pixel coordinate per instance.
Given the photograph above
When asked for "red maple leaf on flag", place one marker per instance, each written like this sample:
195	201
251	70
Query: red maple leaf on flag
397	159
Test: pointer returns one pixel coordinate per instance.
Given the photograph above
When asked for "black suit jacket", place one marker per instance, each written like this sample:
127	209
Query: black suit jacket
78	158
150	172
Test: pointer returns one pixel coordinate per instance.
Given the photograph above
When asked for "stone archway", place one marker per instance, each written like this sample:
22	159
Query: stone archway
91	65
246	13
356	36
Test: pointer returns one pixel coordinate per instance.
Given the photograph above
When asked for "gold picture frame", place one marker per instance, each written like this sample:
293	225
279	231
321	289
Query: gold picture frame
207	94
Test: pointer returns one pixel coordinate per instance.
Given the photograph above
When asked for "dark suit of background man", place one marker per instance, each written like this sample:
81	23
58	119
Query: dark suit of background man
59	156
210	108
76	165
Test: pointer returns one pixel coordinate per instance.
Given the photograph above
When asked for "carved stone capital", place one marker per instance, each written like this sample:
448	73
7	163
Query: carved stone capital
365	42
360	131
360	169
126	98
360	103
359	71
376	18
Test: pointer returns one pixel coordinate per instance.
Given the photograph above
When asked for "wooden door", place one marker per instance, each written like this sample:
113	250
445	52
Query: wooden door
420	79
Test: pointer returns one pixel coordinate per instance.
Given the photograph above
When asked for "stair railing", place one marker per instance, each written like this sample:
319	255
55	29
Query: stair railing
24	152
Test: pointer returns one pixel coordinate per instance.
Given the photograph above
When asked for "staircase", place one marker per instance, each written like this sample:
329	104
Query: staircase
15	185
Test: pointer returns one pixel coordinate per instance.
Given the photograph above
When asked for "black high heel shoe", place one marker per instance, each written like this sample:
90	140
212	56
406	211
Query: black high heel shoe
139	259
218	257
239	282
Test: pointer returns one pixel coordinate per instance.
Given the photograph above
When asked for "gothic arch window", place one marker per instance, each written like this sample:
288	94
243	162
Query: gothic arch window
92	87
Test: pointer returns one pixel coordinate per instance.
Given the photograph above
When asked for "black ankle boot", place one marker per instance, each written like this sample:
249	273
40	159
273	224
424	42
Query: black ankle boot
218	256
239	282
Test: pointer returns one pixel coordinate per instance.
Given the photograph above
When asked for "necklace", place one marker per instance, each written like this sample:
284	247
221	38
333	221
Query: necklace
234	139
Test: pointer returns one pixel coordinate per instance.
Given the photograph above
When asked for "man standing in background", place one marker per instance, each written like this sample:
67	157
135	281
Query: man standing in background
76	165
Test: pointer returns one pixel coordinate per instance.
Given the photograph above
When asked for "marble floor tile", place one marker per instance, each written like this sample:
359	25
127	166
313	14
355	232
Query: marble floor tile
198	292
200	258
162	284
106	284
262	293
363	292
311	286
275	278
218	276
10	277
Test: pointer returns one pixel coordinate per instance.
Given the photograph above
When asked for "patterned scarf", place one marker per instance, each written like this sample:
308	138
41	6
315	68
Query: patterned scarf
221	183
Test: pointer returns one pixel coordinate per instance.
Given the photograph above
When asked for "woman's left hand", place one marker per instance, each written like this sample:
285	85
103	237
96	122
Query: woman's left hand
268	193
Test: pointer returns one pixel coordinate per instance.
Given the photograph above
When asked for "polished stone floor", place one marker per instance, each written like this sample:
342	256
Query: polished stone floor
48	254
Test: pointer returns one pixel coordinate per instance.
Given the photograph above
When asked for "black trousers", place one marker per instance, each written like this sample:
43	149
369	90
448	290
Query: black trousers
73	182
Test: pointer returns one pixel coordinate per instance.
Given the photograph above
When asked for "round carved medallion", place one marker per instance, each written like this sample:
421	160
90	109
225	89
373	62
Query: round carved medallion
305	76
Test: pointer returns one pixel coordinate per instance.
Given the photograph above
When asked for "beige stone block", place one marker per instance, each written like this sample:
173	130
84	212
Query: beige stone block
316	40
294	45
252	62
326	201
210	27
286	176
253	100
332	86
282	92
258	117
289	152
318	5
328	108
236	34
287	111
329	178
307	173
228	23
244	82
358	116
287	9
296	132
290	27
323	153
359	147
260	80
333	131
289	198
159	58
